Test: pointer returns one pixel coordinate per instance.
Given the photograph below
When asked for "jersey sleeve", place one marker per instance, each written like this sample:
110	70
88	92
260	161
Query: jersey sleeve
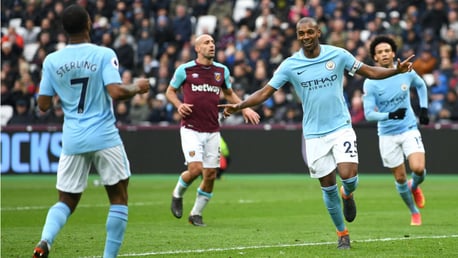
111	68
351	63
178	77
280	76
422	90
46	87
227	78
369	104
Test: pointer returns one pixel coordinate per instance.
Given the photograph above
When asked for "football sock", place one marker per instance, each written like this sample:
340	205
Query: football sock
417	180
350	185
55	220
332	203
406	196
116	226
180	188
202	199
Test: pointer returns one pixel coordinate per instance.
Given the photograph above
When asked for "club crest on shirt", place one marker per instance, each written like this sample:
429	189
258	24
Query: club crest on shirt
192	153
330	65
218	76
404	87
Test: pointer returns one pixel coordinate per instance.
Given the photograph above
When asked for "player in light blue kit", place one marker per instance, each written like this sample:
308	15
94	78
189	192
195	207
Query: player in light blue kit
86	78
388	102
316	72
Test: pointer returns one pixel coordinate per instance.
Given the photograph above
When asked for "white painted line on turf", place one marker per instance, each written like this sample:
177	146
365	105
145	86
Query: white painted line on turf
276	246
28	208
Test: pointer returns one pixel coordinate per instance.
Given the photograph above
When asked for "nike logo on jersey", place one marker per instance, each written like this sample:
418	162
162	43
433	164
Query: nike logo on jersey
299	73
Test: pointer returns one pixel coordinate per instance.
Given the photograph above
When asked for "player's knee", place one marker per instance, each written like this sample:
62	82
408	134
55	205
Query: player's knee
210	174
418	169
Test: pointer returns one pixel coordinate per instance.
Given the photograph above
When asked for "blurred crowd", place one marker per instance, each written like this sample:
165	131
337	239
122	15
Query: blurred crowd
152	37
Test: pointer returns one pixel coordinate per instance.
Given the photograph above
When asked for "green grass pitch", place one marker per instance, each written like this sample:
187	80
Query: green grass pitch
249	216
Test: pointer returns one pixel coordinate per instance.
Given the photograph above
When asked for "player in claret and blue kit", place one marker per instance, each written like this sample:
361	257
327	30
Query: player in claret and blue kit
201	81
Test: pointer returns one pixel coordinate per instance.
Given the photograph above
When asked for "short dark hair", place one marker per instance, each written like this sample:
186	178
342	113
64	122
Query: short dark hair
382	39
75	19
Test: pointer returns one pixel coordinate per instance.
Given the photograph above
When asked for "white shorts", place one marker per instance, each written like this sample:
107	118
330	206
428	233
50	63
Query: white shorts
324	153
111	164
393	148
201	147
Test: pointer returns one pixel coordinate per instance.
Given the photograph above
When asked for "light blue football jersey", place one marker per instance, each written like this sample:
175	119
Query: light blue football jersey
387	95
318	83
78	74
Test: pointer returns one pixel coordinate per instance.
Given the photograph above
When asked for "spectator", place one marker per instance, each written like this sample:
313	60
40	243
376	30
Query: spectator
395	27
100	26
241	78
149	67
14	38
200	7
163	34
9	61
122	113
104	8
46	43
297	11
248	20
356	110
57	115
31	12
338	35
449	111
21	114
265	20
221	9
434	17
139	109
354	20
182	26
126	33
226	32
107	40
437	93
31	32
159	110
425	63
145	46
125	53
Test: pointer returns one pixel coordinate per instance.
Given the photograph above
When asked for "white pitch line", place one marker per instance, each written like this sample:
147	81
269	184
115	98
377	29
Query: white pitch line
196	251
28	208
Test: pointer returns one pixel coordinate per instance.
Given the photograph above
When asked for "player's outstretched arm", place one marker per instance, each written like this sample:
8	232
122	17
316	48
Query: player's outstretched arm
122	92
377	72
254	99
249	114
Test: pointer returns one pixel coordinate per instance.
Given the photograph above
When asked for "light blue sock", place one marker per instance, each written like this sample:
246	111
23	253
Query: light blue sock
332	203
350	185
116	226
417	180
55	220
406	196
